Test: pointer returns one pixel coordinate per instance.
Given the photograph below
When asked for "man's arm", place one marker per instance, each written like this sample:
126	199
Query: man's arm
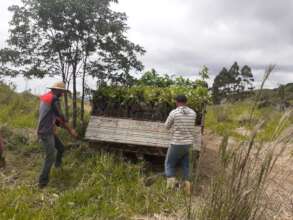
57	111
61	120
170	121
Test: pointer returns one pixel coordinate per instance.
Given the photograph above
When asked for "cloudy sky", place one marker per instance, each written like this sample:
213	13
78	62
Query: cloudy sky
182	36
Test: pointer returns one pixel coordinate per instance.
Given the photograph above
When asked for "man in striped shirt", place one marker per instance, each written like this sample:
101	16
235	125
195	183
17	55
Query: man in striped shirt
182	120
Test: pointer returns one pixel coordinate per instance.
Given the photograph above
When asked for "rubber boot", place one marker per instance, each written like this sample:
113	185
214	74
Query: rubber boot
171	181
187	187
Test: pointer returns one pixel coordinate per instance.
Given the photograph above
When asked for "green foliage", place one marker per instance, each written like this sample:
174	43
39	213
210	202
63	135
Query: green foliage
152	78
145	102
44	32
69	38
204	73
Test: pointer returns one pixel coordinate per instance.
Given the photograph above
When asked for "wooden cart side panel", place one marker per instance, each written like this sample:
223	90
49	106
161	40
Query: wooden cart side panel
133	132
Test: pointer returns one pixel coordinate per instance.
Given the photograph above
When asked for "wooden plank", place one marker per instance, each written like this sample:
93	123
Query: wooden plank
133	132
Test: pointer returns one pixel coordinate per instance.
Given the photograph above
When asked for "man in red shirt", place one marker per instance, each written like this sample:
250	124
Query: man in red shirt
50	115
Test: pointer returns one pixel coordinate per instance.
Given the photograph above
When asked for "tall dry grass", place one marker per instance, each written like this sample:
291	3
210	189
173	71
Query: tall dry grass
237	192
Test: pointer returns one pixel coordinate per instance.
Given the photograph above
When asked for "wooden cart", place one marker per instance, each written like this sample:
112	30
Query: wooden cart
127	135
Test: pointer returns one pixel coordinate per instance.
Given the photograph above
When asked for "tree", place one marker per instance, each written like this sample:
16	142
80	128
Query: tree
219	87
204	75
70	39
234	78
247	77
232	81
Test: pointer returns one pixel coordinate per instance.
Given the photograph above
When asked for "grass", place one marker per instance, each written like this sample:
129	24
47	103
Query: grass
92	185
238	191
225	119
18	110
97	185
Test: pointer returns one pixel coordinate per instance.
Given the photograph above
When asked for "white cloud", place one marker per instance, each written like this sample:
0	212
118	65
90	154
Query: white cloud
182	36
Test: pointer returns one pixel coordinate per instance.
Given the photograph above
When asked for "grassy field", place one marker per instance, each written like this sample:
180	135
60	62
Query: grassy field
91	185
17	110
96	185
234	120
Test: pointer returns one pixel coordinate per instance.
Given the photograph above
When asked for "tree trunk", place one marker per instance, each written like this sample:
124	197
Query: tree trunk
64	79
66	106
65	96
83	93
74	97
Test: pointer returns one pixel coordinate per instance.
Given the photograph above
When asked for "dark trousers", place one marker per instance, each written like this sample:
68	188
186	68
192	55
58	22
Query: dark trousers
54	150
180	154
177	154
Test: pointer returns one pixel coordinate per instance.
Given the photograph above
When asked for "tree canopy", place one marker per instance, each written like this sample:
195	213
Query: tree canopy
69	38
232	81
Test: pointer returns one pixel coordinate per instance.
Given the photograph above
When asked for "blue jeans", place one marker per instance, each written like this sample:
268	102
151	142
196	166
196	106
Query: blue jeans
177	154
54	149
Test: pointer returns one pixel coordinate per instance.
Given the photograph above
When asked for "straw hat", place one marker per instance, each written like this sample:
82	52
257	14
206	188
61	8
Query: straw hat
59	86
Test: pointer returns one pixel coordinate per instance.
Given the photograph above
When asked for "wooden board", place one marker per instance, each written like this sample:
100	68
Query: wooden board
133	132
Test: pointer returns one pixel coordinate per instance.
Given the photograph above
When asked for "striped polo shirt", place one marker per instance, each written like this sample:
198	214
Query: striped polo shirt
182	119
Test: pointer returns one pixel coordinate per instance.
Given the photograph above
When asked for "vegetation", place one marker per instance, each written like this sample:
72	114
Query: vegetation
153	79
92	184
233	119
145	103
73	39
238	191
14	111
152	97
232	81
69	39
99	185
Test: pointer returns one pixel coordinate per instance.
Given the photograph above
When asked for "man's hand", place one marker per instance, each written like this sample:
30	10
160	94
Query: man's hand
73	133
70	130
